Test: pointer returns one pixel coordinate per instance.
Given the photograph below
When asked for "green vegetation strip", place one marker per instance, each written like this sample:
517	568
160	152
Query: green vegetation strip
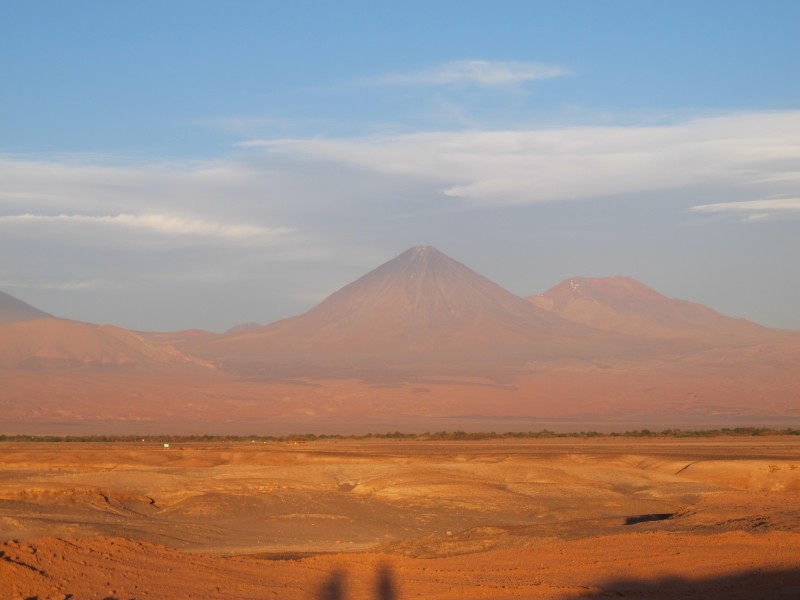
397	435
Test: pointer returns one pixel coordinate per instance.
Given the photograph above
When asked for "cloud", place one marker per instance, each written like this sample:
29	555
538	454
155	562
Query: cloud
155	223
166	204
754	210
758	206
756	217
482	73
550	164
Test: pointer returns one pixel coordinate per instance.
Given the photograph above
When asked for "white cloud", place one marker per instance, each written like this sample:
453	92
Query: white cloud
757	206
541	165
475	72
756	217
759	210
155	223
157	205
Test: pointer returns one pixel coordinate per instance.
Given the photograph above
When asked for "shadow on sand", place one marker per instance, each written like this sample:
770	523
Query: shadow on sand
748	585
335	586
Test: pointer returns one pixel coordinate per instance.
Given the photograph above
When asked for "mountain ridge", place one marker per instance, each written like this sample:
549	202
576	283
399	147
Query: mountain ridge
33	339
53	343
624	305
13	310
418	339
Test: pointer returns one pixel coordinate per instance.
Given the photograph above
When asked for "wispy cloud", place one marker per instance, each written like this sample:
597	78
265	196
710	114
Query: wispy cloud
541	165
156	223
157	205
760	206
754	210
483	73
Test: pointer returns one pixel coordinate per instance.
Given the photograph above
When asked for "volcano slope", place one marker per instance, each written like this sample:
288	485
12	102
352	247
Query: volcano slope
13	310
385	519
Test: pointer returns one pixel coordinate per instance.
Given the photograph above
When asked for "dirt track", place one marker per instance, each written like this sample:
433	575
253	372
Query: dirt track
333	519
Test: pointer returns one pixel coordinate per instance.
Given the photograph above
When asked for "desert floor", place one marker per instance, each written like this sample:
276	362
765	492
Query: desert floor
387	520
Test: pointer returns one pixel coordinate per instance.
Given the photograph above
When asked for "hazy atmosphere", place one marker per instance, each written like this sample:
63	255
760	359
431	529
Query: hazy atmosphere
200	165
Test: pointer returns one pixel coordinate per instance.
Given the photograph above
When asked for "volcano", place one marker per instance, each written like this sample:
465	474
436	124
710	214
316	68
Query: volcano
13	310
420	308
624	305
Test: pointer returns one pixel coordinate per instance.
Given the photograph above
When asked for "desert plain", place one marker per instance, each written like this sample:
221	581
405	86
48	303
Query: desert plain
331	519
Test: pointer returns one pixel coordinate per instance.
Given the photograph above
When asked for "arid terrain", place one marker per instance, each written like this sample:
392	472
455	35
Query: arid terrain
391	519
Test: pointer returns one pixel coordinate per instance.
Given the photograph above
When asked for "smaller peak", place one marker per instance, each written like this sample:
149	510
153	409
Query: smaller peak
616	288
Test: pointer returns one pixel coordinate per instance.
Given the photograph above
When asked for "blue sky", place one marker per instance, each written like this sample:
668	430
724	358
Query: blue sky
168	165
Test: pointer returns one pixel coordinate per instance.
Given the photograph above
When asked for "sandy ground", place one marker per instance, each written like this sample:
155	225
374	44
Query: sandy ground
331	520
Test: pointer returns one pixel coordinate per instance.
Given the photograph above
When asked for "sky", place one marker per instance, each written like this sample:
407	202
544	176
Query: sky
202	164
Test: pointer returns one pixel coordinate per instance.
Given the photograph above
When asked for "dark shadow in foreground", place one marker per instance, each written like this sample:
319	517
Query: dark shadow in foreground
335	588
385	585
749	585
648	518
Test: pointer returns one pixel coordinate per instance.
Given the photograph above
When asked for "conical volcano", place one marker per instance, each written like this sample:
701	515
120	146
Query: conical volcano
424	298
420	308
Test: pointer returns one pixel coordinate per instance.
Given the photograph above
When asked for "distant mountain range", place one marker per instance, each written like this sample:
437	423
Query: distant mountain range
33	339
424	310
425	318
421	311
